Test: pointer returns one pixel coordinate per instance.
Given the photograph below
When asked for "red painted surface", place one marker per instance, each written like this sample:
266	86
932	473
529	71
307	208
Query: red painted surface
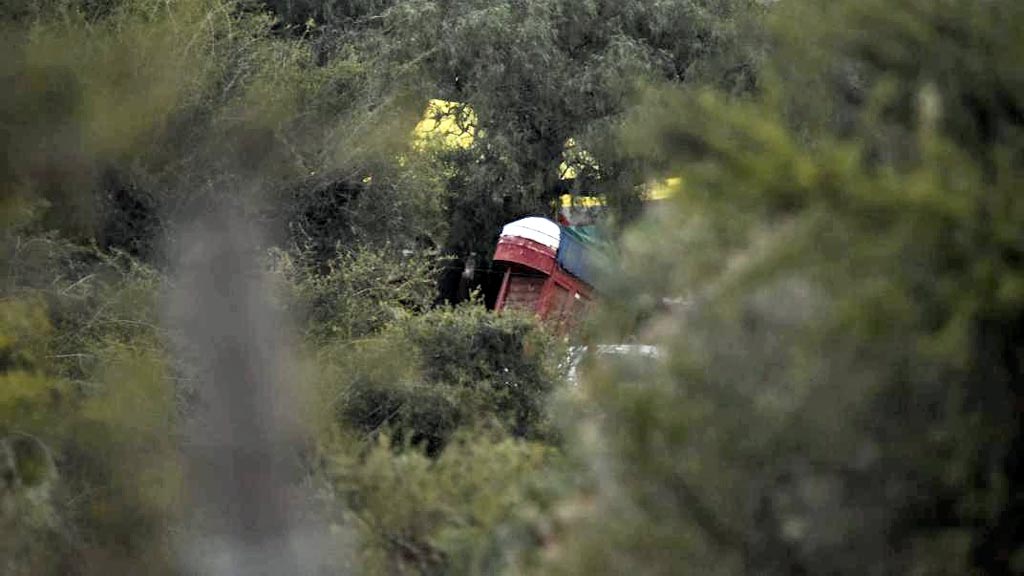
503	291
534	281
524	291
526	252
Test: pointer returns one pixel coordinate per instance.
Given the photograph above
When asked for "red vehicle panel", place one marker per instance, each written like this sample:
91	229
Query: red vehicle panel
534	281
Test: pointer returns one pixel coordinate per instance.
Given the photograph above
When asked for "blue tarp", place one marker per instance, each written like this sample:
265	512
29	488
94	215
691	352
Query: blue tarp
579	253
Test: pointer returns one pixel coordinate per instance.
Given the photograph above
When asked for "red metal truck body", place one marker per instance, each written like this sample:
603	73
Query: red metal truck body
535	282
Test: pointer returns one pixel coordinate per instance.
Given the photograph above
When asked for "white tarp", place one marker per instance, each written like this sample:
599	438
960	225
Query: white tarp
537	229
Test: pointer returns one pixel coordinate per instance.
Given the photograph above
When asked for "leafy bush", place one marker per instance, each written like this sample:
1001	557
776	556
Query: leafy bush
429	375
838	395
87	412
427	463
457	513
357	292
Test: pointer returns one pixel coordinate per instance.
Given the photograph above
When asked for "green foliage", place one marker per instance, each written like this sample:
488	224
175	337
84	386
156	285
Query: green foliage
535	74
361	291
952	67
839	392
540	73
125	453
450	368
26	394
432	431
298	110
504	358
454	514
836	395
87	412
125	117
28	405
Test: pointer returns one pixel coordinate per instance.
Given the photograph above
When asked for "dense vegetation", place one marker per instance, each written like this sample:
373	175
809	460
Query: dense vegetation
837	291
